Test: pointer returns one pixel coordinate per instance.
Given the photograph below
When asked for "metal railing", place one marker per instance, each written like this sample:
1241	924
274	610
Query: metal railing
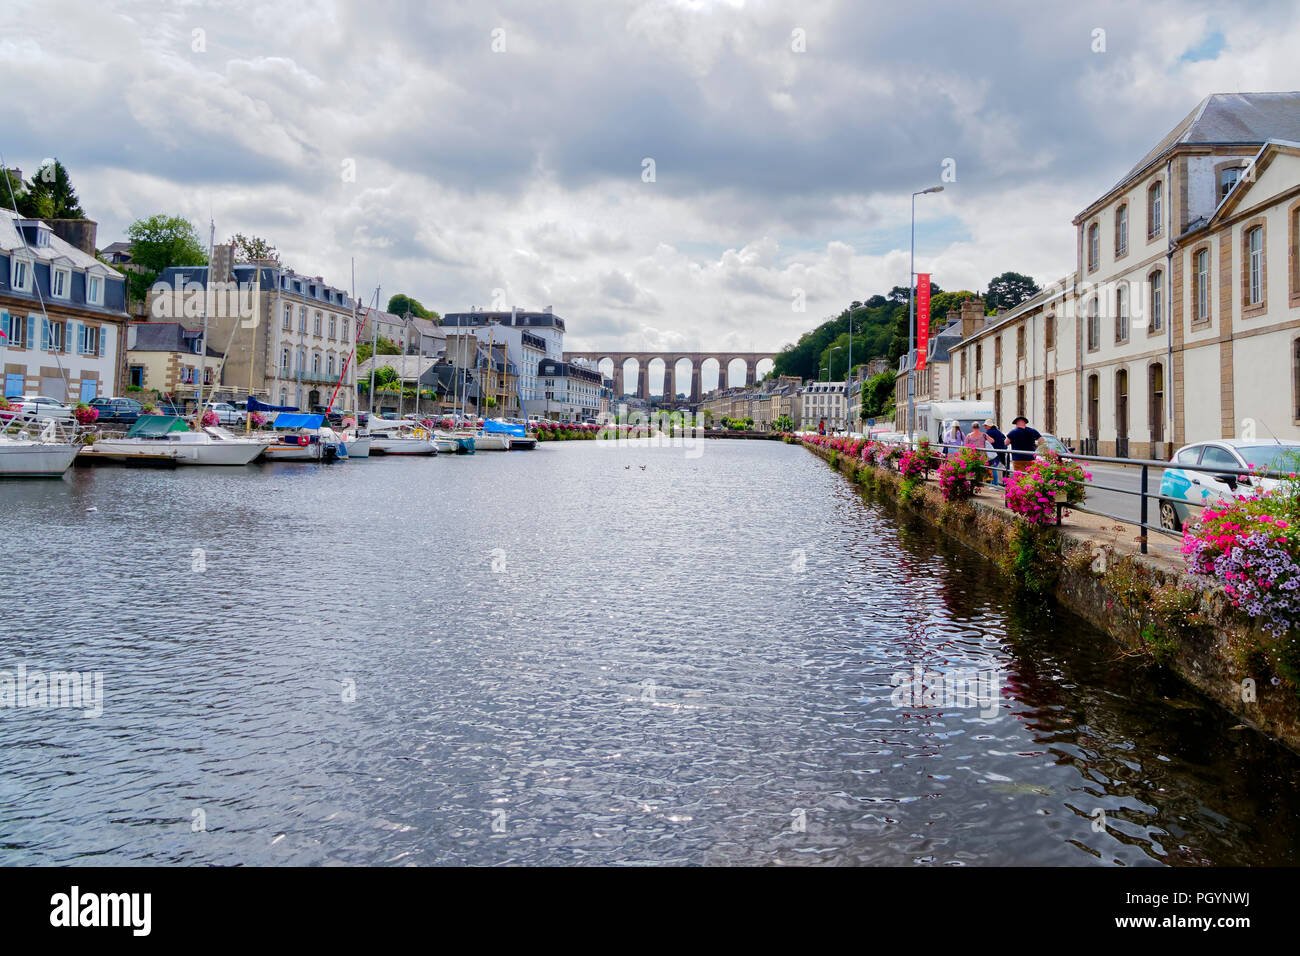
1234	478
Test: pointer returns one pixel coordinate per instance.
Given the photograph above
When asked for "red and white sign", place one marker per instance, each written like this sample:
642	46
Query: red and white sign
922	318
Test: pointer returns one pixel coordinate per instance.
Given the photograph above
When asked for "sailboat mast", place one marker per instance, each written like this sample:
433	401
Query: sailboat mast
374	349
203	340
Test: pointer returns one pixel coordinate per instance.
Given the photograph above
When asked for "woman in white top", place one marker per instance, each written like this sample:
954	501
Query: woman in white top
952	436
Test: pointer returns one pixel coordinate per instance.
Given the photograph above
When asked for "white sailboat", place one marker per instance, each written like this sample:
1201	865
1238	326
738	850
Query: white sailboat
400	438
46	454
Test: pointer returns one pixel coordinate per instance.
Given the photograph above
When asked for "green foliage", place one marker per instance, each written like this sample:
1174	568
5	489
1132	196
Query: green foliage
158	242
385	347
1008	290
47	195
402	304
907	490
784	424
248	248
878	395
384	375
1034	558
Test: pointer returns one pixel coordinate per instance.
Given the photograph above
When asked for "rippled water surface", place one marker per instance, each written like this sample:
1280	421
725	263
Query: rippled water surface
563	657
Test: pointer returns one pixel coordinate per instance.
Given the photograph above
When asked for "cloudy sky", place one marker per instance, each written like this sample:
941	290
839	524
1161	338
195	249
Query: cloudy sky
457	149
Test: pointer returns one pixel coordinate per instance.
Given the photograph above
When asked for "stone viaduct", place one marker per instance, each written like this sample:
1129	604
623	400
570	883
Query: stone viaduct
670	360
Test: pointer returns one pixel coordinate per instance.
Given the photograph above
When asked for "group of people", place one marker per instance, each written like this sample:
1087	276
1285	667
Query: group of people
1020	443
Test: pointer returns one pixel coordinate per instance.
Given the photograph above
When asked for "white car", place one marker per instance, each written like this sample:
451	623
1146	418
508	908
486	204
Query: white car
39	407
227	414
1230	454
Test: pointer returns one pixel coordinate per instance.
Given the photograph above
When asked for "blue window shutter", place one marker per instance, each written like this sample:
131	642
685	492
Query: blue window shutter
45	335
31	332
100	343
67	336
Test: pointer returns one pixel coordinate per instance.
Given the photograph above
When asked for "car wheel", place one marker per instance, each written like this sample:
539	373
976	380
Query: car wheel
1169	519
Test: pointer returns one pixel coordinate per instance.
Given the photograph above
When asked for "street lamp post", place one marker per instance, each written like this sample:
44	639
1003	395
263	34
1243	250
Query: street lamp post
911	318
830	361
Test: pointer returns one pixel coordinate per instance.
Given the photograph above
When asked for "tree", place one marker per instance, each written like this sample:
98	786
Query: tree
12	190
49	195
878	395
1008	290
384	376
386	347
784	424
402	304
157	243
248	248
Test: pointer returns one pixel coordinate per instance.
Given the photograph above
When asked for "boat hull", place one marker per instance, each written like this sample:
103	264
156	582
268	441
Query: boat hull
359	447
522	444
35	459
402	446
483	442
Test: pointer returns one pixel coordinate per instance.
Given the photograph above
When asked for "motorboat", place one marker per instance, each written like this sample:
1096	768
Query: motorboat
47	453
167	440
515	434
400	438
304	437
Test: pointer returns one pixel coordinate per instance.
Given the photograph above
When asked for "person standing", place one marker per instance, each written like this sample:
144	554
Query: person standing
821	427
998	441
952	436
1023	441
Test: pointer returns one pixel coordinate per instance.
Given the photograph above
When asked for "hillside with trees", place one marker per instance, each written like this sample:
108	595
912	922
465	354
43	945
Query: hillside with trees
880	328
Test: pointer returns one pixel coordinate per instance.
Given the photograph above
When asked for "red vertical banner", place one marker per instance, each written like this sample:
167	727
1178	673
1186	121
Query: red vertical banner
922	318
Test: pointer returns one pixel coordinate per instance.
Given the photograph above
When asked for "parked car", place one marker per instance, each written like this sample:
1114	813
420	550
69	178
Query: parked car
120	411
227	413
1052	443
40	407
1203	487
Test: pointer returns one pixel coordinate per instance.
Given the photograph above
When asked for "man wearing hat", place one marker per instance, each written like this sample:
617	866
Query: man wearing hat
1023	441
997	441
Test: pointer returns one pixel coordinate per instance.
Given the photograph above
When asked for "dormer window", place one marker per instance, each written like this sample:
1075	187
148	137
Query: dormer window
20	275
1227	179
94	290
61	283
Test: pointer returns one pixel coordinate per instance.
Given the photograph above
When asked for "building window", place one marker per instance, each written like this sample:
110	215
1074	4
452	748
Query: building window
1255	266
287	324
1121	230
345	330
315	363
963	365
1049	332
979	357
1049	406
1155	205
997	351
1157	282
302	360
51	336
1295	252
1227	179
1094	247
334	321
20	275
1020	342
1156	392
60	283
302	319
1121	313
1094	405
1020	400
15	330
330	364
87	340
94	290
284	363
1121	405
1201	286
1094	325
316	325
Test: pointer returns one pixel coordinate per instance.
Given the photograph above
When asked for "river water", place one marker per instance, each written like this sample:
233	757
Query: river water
580	654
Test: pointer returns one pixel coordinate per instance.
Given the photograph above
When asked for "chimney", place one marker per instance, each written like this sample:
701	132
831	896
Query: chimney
972	316
1002	310
76	232
223	259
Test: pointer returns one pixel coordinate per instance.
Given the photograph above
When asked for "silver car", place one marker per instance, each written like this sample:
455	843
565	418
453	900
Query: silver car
1209	485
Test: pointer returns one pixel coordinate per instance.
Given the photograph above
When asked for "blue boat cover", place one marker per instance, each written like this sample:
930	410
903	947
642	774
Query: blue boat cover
298	420
491	427
255	406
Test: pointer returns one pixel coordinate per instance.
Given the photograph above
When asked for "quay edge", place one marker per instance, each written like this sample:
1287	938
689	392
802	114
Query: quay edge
1211	662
